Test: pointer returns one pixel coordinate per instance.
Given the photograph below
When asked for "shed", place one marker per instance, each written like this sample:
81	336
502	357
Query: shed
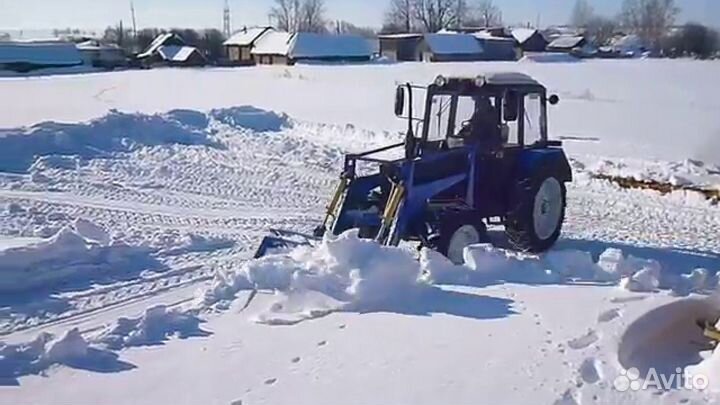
530	40
450	47
105	56
171	50
282	48
239	46
308	46
25	57
566	43
272	48
498	48
401	47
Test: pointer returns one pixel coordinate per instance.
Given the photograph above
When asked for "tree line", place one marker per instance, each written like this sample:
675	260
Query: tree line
654	22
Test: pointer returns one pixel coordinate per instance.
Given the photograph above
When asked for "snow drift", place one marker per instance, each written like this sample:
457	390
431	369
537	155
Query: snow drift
123	132
78	250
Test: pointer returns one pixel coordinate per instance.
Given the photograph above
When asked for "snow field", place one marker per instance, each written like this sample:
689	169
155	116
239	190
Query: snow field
193	182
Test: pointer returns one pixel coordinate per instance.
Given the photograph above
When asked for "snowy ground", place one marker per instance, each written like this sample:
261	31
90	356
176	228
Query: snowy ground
158	185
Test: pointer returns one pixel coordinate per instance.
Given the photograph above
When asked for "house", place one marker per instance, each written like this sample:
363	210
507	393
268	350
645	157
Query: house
287	49
450	48
311	47
105	56
530	40
239	46
273	48
498	48
401	47
170	49
24	57
566	44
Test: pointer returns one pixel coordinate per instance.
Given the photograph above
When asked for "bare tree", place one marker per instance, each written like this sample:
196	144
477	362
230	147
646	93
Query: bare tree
600	30
434	15
286	14
489	14
461	13
582	13
649	18
312	16
399	17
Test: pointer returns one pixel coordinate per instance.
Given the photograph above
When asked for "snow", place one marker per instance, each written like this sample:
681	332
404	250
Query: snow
310	45
565	42
522	34
274	43
176	53
155	45
190	182
247	36
53	53
453	44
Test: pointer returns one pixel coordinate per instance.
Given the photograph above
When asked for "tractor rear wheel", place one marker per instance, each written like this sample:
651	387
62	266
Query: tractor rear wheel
535	220
455	233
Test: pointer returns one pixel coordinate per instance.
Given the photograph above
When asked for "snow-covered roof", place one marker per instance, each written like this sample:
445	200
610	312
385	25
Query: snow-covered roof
310	45
631	41
399	36
566	42
453	44
507	78
159	41
175	53
486	35
523	34
273	43
40	53
247	36
95	45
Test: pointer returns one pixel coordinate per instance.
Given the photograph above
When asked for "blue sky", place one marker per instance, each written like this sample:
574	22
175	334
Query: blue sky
44	14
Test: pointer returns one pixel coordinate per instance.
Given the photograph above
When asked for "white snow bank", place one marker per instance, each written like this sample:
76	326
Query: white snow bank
153	327
76	250
121	132
346	270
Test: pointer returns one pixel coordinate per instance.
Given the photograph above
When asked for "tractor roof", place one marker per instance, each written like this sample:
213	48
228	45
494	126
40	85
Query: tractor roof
492	80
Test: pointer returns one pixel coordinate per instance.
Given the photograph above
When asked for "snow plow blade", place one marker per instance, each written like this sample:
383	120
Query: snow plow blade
280	240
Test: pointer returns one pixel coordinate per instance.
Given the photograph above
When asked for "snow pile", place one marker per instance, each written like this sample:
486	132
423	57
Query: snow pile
116	132
153	327
250	118
346	270
76	250
44	351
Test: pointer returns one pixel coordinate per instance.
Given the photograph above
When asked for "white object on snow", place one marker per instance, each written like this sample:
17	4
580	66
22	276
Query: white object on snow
70	346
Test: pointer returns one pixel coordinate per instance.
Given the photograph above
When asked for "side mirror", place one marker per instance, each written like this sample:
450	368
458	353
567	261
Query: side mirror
553	99
399	101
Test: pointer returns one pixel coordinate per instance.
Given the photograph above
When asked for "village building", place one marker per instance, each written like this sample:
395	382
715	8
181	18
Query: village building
530	39
400	47
170	49
498	48
104	56
281	48
450	48
566	44
239	46
28	56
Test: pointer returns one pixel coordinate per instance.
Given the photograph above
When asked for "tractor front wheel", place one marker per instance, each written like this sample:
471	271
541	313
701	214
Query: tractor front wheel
535	222
455	233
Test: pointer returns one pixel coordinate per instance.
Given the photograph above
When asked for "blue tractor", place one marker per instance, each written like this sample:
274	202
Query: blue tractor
478	155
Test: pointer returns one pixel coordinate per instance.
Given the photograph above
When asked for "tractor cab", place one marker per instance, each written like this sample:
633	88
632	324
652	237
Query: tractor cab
493	112
477	153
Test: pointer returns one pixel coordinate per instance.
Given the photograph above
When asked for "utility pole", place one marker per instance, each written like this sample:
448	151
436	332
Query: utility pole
227	29
132	12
